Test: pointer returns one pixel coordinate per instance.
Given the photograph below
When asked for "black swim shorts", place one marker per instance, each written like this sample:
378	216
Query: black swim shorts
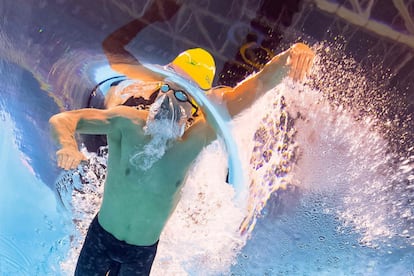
103	253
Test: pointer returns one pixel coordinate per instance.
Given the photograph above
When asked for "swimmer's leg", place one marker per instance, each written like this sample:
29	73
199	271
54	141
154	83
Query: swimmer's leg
93	259
138	260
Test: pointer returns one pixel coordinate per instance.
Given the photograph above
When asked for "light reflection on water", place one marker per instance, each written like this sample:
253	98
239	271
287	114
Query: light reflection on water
341	203
347	206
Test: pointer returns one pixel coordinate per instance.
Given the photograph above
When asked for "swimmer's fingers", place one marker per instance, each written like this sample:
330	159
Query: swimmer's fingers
299	71
308	58
65	161
300	61
74	161
293	62
68	159
309	64
304	66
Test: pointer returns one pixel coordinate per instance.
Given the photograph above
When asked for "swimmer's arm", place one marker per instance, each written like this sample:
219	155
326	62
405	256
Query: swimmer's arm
120	59
201	130
114	45
88	121
296	63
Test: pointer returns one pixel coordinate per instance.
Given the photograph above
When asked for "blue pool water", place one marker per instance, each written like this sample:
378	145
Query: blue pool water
32	235
335	197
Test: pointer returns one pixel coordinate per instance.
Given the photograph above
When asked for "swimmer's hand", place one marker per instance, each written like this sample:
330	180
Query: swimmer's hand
300	61
69	159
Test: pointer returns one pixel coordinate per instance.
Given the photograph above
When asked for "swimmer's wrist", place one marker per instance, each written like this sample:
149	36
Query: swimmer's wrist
68	146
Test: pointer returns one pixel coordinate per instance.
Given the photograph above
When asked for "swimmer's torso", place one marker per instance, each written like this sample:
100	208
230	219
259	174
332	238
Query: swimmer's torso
137	203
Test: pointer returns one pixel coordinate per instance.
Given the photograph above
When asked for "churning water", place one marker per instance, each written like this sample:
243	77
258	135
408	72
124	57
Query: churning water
331	191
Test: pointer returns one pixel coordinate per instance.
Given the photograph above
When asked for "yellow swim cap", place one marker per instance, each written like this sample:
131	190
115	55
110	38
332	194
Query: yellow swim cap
199	65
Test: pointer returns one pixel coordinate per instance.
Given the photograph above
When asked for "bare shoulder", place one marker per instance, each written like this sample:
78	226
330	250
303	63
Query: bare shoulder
200	130
219	93
126	112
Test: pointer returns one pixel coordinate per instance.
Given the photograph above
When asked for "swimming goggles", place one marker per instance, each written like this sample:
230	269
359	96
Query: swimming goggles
180	95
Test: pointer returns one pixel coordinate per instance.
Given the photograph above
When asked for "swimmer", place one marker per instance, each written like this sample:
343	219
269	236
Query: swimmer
155	131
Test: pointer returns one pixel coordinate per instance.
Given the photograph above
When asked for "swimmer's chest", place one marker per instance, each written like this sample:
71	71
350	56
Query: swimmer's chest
162	181
166	174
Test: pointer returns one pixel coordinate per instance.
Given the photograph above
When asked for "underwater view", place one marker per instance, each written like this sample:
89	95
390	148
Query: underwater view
324	168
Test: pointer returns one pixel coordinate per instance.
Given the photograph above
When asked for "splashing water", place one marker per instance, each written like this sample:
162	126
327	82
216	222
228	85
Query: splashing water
270	155
150	154
341	200
364	148
314	159
153	151
342	172
204	224
309	139
165	124
349	161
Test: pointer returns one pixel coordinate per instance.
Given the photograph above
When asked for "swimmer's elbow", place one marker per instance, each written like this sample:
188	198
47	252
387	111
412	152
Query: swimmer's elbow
58	118
111	46
55	119
60	128
62	122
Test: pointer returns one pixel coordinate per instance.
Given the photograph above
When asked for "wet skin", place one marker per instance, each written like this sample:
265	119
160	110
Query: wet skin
137	204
